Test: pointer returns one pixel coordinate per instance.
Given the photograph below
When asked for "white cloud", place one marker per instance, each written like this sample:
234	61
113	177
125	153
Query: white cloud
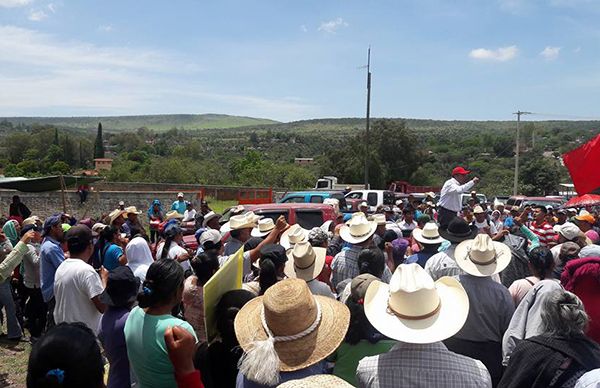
36	16
106	28
14	3
303	28
550	53
52	7
332	26
43	74
501	54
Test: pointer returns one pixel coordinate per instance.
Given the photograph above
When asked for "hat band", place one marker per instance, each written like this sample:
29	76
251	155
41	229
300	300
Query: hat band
430	238
306	267
390	310
360	235
493	260
293	337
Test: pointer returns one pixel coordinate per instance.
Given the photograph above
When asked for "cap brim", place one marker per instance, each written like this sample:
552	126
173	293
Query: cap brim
461	256
306	351
308	274
454	309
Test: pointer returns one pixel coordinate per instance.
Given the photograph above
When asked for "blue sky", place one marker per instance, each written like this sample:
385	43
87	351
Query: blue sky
291	60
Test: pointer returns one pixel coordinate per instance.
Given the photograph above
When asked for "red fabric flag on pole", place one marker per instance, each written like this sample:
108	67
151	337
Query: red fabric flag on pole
584	166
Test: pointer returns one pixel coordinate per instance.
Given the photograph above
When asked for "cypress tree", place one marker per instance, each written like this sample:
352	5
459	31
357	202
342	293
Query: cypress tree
55	136
98	145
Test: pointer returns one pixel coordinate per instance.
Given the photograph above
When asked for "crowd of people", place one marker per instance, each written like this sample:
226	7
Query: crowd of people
413	295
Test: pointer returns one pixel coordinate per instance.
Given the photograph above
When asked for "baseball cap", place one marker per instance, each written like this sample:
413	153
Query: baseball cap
569	230
586	218
51	221
121	288
210	238
460	171
79	235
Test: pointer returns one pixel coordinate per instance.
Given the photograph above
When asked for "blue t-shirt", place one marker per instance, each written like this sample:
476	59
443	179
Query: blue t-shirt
180	206
111	256
51	256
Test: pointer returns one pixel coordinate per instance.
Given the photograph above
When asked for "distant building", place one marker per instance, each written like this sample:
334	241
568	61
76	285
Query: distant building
103	164
303	161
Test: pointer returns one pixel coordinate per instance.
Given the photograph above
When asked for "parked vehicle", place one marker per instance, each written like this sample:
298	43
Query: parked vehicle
307	215
373	198
331	183
407	188
465	198
501	199
521	201
313	197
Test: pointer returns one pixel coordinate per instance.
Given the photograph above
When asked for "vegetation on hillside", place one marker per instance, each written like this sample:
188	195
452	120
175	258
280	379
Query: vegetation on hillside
420	151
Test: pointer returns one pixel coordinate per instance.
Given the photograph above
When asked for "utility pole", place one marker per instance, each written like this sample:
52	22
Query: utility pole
367	153
516	182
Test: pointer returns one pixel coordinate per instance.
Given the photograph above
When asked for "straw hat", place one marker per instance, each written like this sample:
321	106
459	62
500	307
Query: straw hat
288	329
247	220
482	256
33	220
358	229
317	381
415	309
173	215
264	227
478	210
115	214
131	210
379	219
293	235
429	235
304	261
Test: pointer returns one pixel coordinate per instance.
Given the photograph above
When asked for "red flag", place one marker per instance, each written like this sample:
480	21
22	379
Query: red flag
584	166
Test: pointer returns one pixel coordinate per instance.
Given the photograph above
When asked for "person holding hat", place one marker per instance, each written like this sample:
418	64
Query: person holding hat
420	314
430	239
362	339
450	202
287	333
155	217
306	263
51	256
77	285
119	296
179	205
490	304
240	227
443	263
358	232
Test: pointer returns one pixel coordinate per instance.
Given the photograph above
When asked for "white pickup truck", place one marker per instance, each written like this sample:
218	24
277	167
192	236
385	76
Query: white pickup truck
373	198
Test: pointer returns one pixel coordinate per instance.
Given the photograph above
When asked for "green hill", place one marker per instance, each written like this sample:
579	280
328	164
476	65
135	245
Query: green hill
155	122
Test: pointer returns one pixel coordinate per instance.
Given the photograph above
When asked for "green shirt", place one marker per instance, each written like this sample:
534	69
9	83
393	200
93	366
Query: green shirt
12	260
347	357
146	349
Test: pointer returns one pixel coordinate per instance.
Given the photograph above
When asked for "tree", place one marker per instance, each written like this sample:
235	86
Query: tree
539	176
99	144
60	168
55	142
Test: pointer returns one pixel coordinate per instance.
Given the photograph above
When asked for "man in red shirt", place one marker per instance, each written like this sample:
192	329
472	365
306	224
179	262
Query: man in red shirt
542	228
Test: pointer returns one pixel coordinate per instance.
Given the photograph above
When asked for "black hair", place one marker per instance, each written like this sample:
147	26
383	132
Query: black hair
167	245
371	261
107	236
542	260
67	356
205	265
271	260
226	310
136	231
163	280
360	328
542	208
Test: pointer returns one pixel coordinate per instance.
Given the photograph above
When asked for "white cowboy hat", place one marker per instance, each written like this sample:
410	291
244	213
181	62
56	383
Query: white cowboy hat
415	309
264	227
429	235
241	221
209	216
482	256
358	229
173	214
304	261
293	235
379	219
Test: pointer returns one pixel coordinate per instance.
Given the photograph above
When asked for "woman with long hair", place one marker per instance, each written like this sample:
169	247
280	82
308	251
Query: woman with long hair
146	324
111	250
172	248
541	265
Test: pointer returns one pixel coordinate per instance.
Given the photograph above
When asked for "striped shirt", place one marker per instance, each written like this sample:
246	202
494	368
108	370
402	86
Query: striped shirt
545	232
422	365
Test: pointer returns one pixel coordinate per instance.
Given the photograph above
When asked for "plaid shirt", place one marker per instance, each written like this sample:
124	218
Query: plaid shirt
422	365
345	266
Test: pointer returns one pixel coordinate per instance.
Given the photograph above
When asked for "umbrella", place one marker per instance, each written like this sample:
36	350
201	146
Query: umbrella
583	200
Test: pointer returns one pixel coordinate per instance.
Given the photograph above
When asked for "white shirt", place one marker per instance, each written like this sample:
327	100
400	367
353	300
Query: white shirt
174	251
403	225
75	284
450	196
486	224
189	215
